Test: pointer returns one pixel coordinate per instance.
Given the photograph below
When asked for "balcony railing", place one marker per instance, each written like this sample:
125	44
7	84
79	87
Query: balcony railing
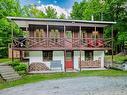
74	43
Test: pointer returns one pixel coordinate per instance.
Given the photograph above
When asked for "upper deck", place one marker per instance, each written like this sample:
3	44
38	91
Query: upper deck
59	34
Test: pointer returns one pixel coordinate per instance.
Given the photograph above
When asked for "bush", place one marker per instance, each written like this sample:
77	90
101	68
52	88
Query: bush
15	63
21	67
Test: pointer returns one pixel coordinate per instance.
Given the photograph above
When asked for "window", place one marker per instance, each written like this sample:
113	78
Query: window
88	55
47	55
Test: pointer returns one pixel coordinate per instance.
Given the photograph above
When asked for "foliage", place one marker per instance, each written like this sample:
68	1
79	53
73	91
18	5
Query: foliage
62	16
32	11
41	77
50	12
18	66
15	63
8	8
117	59
21	67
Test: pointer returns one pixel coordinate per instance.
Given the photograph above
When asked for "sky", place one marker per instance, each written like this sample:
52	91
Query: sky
61	6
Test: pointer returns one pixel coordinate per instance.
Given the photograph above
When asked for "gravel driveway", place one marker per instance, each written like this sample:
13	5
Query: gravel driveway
73	86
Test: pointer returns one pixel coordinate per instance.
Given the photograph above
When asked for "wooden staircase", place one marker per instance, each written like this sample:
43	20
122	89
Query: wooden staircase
8	73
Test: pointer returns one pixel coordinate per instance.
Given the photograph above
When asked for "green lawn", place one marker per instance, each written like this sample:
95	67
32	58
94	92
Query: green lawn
40	77
2	60
116	58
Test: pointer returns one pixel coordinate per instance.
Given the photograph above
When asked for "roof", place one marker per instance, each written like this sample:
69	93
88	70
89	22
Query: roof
19	19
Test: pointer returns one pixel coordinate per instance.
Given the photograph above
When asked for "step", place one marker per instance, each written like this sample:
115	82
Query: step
5	67
4	64
5	70
10	77
8	73
12	72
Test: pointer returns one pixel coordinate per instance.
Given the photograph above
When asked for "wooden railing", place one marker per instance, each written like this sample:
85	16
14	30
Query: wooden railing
34	42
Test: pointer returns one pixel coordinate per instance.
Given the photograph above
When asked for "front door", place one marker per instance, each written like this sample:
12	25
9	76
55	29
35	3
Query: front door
69	60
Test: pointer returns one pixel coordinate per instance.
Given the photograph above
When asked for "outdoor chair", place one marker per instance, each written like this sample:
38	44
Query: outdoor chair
56	64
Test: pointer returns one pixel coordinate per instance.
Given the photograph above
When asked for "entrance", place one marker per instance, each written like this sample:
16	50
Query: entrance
69	60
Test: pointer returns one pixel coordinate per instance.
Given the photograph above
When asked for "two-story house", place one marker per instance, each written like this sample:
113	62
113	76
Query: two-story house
62	45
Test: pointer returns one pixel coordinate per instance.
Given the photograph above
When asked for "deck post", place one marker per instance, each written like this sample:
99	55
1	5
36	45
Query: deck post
112	46
47	35
28	68
80	47
12	41
64	33
65	60
64	50
21	55
80	61
12	55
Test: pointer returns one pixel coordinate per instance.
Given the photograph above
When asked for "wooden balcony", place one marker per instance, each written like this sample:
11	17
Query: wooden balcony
34	43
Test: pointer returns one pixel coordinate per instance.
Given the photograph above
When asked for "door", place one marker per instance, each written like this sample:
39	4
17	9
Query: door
68	42
69	60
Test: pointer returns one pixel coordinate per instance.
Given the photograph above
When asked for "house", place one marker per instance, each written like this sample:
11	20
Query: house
63	45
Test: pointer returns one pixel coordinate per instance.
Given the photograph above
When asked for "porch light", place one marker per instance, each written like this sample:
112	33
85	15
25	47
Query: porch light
106	51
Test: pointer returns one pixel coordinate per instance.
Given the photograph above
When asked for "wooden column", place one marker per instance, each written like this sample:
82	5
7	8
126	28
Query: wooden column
80	61
12	41
112	45
64	31
47	31
21	55
27	46
65	49
47	35
12	55
80	47
65	60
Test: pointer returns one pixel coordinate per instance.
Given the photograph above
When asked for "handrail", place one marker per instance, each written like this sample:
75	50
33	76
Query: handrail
52	42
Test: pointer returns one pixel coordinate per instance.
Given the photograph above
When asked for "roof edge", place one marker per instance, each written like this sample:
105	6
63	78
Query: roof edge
64	20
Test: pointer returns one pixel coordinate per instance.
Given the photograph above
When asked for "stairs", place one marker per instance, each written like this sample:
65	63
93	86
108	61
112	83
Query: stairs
8	73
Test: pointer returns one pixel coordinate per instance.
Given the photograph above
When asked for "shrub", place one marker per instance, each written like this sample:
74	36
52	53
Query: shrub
15	63
21	67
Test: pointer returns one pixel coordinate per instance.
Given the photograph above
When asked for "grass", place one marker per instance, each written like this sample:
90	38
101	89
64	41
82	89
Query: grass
41	77
116	58
2	60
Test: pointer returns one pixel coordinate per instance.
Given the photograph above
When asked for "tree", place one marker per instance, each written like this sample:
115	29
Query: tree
8	8
62	16
50	12
32	11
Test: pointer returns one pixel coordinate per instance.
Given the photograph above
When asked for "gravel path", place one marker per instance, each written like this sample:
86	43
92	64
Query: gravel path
73	86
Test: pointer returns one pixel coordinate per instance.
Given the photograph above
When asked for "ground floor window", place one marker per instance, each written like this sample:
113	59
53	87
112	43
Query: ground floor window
88	55
26	53
47	55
